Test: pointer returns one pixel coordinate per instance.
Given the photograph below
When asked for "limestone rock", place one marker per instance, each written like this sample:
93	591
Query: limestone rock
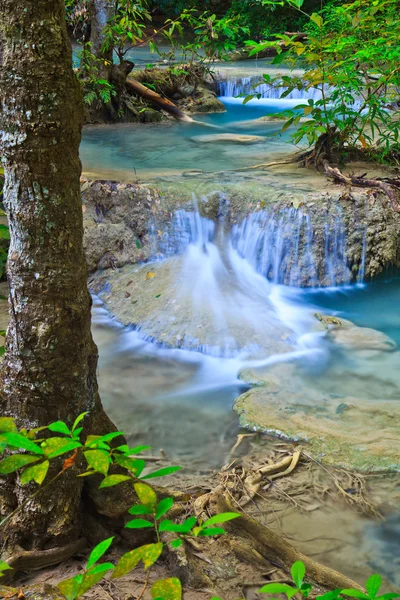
235	138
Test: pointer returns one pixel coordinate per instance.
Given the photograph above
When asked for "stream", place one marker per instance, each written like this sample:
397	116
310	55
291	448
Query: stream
234	279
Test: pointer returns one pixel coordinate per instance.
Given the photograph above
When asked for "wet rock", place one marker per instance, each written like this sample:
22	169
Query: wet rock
204	100
116	223
234	138
349	336
356	433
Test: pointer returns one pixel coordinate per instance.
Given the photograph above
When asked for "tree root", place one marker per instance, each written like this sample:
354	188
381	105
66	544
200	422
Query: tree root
253	481
274	548
387	188
37	559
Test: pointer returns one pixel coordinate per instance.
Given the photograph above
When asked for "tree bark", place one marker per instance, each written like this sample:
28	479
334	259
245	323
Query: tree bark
49	369
101	12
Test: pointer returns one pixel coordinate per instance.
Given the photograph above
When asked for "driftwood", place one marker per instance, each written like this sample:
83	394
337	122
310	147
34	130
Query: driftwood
387	188
148	94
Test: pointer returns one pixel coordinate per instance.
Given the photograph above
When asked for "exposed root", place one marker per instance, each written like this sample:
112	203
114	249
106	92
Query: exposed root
386	187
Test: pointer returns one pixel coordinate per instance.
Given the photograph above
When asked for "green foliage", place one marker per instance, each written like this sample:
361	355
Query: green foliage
126	27
351	56
100	455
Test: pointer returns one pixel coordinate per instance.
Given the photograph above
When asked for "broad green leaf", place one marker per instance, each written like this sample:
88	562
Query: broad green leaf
137	450
208	531
4	566
98	551
113	480
151	553
353	593
167	589
103	438
57	446
146	495
162	472
176	543
372	585
107	566
134	465
278	588
16	440
69	587
78	420
90	579
36	472
163	507
98	460
222	518
298	572
127	562
15	462
388	596
318	20
7	425
185	527
59	427
329	595
139	509
138	524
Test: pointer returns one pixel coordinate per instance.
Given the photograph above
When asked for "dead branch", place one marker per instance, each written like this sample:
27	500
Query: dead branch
387	188
148	94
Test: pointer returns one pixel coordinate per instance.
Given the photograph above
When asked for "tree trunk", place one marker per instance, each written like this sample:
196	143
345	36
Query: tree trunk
101	12
49	369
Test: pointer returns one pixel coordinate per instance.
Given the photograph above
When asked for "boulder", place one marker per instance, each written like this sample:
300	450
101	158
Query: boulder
234	138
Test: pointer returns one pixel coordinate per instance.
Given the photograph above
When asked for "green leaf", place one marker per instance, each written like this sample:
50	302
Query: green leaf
278	588
162	472
36	472
151	553
137	450
163	507
79	419
69	587
222	518
139	509
103	438
329	595
57	446
138	524
59	427
90	579
138	244
112	480
176	543
98	551
372	585
107	566
185	527
16	440
4	566
98	460
167	589
4	232
127	562
7	425
318	20
15	462
388	596
208	531
134	465
146	495
298	572
248	98
353	593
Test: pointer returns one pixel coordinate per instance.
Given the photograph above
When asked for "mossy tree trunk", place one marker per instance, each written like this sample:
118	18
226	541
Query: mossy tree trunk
49	369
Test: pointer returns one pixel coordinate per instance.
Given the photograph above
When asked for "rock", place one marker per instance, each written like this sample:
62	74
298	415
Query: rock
356	433
116	223
186	90
234	138
205	101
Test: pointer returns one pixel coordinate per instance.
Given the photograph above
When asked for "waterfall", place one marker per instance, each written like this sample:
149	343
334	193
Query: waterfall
289	246
252	85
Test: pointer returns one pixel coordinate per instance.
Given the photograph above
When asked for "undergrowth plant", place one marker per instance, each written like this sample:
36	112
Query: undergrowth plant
43	446
351	56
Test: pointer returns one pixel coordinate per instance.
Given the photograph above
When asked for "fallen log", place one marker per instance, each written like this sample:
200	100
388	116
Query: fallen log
337	175
152	96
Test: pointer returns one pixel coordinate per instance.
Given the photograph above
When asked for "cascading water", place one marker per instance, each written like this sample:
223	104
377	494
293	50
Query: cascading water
230	88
